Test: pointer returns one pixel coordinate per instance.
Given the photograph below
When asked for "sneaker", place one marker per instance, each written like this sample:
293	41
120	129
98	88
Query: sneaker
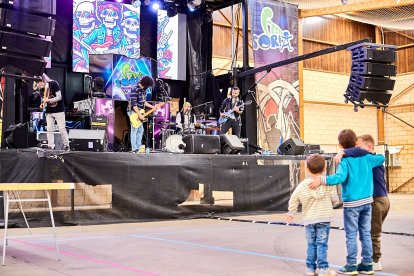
326	271
349	270
377	266
365	269
310	271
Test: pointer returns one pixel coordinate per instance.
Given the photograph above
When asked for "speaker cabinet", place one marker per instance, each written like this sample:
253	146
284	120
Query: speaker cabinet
18	63
42	138
231	144
87	140
23	22
19	136
47	7
292	146
25	44
209	144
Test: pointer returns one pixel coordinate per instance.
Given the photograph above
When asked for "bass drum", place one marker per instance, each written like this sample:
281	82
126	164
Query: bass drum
173	144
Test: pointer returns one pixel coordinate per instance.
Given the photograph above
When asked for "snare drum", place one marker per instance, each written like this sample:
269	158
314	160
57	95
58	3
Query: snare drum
173	142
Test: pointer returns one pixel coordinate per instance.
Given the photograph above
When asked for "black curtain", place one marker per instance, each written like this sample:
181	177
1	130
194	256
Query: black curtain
199	57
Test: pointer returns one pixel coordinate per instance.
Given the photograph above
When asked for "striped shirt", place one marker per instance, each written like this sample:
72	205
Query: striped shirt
316	204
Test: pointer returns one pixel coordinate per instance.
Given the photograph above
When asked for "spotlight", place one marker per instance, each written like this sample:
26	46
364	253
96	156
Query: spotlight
193	4
171	10
119	1
156	6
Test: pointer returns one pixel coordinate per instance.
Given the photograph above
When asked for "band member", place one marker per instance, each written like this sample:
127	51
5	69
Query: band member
137	100
185	119
232	108
55	111
36	98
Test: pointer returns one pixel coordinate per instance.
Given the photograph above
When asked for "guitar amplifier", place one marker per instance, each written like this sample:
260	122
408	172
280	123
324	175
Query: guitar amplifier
99	122
198	143
87	140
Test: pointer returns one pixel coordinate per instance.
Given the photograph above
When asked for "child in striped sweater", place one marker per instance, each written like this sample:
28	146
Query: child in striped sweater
317	216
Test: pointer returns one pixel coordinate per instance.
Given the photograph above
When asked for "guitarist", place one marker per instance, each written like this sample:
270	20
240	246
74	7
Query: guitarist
55	111
236	104
137	100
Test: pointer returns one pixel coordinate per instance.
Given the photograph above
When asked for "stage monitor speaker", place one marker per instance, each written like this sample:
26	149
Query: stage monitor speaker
231	144
24	22
25	44
21	63
42	138
47	7
197	143
292	146
87	140
19	136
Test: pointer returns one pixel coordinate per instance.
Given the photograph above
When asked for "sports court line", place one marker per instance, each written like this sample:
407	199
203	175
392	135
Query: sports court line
91	259
224	249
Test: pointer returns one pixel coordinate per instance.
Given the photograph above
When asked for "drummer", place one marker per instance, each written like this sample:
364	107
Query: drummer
185	119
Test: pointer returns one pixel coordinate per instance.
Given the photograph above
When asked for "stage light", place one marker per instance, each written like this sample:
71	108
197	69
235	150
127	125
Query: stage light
193	4
156	6
119	1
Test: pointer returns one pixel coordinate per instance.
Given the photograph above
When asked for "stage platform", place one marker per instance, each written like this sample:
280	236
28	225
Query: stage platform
124	187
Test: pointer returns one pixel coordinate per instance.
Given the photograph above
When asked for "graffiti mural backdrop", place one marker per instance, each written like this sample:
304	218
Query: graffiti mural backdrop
274	34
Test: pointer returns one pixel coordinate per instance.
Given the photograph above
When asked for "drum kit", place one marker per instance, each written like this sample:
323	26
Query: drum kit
173	141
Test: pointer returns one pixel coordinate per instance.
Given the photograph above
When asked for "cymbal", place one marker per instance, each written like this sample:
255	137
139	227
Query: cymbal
167	123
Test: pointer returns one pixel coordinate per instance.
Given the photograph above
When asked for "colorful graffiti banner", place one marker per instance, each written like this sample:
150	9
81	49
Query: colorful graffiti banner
101	27
275	37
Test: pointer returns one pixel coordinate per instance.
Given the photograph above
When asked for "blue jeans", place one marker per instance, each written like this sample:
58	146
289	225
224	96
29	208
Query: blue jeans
136	137
358	219
317	236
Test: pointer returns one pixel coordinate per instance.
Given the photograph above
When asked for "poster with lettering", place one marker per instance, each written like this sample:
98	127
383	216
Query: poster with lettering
274	28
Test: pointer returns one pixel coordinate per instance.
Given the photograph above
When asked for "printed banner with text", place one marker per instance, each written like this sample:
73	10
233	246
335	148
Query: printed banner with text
274	28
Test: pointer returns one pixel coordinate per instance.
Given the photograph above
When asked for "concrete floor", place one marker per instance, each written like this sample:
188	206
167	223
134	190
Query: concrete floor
198	247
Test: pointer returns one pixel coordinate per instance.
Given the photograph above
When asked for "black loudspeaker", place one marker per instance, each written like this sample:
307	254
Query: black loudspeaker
31	65
23	47
23	22
47	7
292	146
25	44
19	136
202	144
372	67
87	140
231	144
42	138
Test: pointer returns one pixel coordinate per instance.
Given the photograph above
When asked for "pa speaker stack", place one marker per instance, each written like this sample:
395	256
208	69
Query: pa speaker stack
373	65
26	28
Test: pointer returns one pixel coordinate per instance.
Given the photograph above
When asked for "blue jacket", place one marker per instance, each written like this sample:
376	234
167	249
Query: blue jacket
355	174
380	186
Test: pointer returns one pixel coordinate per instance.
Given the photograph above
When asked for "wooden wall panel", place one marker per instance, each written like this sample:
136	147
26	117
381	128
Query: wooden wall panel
404	56
334	31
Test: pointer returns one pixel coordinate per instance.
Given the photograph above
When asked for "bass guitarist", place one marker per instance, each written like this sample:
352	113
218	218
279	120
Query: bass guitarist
232	106
137	101
55	111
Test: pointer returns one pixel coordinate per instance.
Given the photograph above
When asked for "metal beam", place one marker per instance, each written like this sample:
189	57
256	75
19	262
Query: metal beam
364	6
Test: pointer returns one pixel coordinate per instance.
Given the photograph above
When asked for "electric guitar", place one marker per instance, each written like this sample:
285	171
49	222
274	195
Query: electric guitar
230	114
134	118
46	95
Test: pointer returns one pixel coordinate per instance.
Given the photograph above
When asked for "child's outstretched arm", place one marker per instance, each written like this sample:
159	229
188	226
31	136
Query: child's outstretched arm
376	160
339	177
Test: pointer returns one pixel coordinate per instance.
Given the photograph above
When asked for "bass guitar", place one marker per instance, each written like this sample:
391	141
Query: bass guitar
134	118
230	114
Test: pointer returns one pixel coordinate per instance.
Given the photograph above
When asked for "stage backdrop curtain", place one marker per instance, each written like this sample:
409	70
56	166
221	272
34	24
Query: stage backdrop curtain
274	28
199	41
